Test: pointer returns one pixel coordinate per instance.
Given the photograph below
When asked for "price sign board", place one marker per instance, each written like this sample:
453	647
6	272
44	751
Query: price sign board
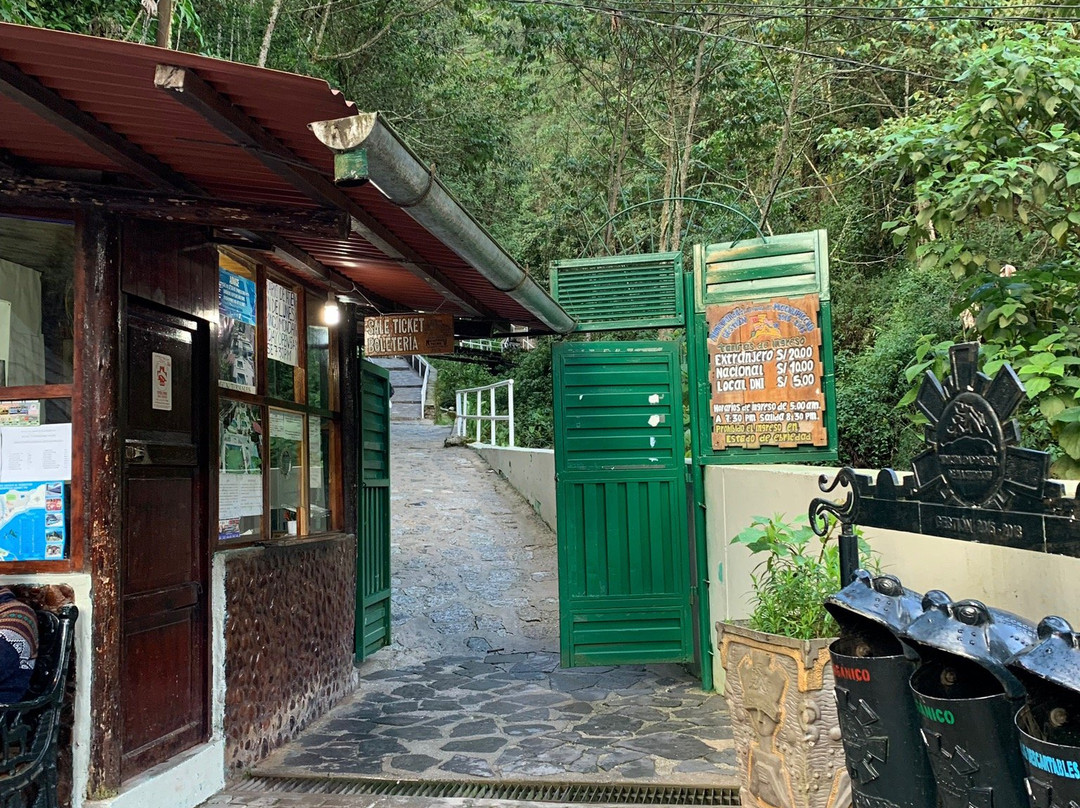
765	373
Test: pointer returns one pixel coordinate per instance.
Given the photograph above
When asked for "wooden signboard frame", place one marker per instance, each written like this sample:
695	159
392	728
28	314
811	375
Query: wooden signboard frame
406	334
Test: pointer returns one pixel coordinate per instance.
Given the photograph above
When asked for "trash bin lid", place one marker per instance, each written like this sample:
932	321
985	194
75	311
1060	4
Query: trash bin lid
969	629
879	599
1055	658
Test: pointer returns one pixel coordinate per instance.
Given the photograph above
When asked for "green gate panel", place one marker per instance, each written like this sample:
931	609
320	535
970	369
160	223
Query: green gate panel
373	543
786	265
621	292
624	582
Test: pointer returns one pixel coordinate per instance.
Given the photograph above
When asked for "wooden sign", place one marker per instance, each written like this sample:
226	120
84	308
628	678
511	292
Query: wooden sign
399	334
765	373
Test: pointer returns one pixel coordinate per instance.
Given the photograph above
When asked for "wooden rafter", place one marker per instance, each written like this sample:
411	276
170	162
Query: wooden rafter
64	115
189	89
308	265
132	158
31	191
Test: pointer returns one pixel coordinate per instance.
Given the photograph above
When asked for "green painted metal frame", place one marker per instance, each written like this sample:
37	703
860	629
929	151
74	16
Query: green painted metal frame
373	513
645	272
784	274
613	478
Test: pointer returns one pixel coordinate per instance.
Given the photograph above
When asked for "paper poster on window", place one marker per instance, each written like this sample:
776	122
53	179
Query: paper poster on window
20	413
162	382
282	329
237	340
33	526
34	453
240	488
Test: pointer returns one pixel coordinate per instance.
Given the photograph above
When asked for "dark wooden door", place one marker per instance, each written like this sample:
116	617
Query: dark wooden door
164	554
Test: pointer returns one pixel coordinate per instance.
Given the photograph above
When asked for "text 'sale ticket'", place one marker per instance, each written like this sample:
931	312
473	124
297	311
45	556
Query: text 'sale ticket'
765	373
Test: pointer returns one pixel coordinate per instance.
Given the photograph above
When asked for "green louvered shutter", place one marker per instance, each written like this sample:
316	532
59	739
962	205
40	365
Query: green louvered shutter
622	292
373	543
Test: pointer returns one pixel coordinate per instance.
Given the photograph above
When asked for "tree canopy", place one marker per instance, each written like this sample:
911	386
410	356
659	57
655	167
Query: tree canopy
937	140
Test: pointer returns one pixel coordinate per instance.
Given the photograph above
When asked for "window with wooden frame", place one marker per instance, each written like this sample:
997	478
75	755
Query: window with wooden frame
37	365
278	409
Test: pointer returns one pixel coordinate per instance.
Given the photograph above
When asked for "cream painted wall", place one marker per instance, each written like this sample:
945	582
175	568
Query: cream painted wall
1029	583
530	471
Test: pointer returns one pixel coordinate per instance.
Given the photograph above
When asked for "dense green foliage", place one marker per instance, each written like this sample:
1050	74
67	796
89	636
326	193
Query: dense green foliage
937	142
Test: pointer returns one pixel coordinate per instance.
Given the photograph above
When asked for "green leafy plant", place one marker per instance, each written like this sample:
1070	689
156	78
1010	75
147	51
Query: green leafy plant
799	571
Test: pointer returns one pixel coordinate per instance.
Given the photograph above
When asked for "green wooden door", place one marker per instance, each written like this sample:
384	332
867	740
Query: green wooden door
624	569
373	541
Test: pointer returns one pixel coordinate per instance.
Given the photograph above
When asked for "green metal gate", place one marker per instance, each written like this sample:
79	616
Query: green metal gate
373	542
624	572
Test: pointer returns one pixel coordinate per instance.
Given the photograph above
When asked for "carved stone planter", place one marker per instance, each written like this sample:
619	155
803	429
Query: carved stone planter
783	714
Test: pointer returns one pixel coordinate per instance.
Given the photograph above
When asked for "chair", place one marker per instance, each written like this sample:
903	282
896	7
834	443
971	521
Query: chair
30	729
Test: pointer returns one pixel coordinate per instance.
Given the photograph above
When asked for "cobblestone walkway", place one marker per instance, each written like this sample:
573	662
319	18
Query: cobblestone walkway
471	686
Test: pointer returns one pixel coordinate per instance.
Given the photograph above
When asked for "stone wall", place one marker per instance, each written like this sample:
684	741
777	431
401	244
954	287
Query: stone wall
288	642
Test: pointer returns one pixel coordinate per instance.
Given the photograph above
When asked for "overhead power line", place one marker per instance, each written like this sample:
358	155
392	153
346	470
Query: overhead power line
622	14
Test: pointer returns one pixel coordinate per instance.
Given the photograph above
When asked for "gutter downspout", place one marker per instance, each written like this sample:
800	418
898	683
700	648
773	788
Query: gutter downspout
408	183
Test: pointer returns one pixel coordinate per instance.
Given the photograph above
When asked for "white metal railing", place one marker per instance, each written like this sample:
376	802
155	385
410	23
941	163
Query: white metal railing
463	416
423	369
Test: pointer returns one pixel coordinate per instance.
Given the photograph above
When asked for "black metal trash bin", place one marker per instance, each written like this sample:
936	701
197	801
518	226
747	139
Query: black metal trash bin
1049	722
967	700
886	757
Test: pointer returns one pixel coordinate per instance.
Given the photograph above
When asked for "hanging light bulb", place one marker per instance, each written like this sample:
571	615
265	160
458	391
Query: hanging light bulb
331	314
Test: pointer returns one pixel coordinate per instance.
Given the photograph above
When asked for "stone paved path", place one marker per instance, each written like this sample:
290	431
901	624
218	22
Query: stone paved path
471	686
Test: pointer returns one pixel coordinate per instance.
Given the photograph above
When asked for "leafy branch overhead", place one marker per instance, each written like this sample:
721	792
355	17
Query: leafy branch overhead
1005	144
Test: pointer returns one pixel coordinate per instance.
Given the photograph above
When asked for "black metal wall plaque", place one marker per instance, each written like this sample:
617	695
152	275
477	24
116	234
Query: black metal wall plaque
973	481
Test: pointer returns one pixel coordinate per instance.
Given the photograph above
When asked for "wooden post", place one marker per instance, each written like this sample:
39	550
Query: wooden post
98	320
349	369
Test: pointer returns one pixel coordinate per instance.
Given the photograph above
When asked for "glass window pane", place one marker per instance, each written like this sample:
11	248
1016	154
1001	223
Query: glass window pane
34	514
320	517
318	357
280	381
37	301
286	471
282	340
240	480
237	333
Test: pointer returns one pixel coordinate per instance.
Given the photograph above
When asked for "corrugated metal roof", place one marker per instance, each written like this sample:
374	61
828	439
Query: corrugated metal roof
114	82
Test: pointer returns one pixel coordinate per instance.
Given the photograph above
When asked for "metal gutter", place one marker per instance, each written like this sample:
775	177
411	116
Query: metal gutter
410	185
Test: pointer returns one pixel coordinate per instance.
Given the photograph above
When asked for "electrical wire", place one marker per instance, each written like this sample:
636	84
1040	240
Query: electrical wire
622	15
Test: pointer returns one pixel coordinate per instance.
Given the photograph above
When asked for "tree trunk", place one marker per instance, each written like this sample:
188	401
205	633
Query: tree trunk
264	51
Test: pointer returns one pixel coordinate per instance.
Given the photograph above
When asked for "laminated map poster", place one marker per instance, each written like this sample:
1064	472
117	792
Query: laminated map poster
32	523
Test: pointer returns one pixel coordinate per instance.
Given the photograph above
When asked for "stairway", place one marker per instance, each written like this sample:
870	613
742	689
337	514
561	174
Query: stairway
407	387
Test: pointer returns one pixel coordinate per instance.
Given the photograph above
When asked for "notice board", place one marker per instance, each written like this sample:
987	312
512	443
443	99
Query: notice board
765	373
760	349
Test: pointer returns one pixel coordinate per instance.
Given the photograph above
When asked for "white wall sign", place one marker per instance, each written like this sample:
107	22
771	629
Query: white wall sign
282	339
35	453
162	382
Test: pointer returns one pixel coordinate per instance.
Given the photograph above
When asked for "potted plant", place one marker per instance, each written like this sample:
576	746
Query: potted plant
778	678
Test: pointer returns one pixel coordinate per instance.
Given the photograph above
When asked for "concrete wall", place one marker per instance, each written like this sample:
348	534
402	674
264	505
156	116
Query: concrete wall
530	471
1029	583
